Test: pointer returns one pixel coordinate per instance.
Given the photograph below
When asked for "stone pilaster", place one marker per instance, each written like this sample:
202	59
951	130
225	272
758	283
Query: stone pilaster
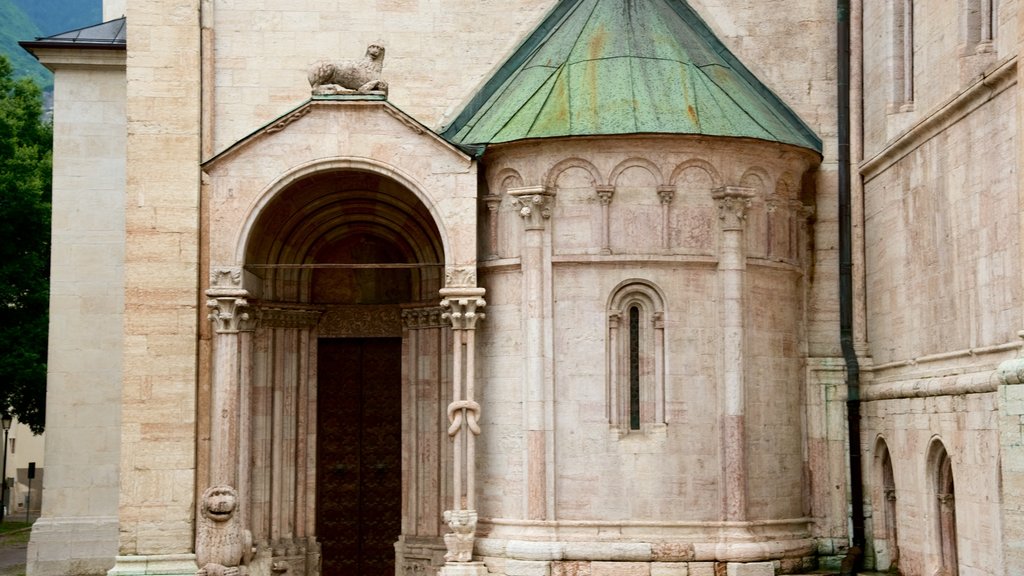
462	305
733	203
535	211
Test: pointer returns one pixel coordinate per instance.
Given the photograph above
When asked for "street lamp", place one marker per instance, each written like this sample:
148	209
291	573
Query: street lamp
5	421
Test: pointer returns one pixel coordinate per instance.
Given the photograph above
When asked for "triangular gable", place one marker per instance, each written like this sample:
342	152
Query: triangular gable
282	122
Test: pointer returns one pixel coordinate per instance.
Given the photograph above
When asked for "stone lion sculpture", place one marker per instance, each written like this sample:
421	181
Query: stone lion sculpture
223	546
460	540
348	76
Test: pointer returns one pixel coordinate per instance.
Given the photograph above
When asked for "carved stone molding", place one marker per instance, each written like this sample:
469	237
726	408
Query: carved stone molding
733	203
534	203
271	317
421	318
460	277
461	307
226	277
361	321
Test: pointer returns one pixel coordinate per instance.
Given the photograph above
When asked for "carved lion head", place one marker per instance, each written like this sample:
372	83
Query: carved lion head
219	503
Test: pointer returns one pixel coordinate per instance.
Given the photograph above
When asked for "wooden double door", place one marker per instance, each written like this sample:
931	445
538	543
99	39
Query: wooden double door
359	454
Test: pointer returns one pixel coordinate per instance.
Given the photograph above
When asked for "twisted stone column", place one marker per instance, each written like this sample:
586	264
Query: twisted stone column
733	203
462	308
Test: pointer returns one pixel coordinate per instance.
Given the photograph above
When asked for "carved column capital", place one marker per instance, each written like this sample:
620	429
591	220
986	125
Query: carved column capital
492	201
614	319
228	304
666	193
733	202
605	193
534	203
461	307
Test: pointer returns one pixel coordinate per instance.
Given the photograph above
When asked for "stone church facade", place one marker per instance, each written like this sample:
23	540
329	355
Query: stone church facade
586	287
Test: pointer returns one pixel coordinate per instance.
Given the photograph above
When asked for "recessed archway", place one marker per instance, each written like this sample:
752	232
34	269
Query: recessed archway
341	259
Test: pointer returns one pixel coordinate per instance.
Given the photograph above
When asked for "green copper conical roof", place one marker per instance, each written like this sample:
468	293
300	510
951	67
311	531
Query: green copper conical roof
602	67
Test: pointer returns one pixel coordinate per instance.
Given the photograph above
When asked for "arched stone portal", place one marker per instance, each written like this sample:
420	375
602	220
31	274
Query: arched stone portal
350	374
337	398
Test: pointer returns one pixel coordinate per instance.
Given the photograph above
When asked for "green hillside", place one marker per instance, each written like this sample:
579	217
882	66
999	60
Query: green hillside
29	19
14	27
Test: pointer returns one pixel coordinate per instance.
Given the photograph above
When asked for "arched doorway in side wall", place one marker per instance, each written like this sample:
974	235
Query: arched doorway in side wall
342	257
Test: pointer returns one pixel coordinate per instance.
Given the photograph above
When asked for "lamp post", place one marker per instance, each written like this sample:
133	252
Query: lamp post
5	421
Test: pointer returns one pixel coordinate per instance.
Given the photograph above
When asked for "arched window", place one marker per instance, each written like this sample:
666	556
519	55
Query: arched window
944	510
636	357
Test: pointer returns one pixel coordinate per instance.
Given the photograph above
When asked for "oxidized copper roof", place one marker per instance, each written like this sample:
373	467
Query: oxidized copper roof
603	67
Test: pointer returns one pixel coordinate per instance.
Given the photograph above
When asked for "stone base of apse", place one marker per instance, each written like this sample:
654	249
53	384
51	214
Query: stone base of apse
463	569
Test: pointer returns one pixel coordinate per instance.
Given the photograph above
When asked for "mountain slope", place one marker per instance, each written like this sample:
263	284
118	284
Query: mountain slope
14	27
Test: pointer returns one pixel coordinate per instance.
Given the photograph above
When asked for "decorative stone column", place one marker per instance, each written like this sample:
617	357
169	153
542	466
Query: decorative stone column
534	208
605	193
462	301
733	203
493	202
666	193
225	492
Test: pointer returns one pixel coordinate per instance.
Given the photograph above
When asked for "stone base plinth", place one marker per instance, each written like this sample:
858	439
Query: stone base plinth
93	541
463	569
157	565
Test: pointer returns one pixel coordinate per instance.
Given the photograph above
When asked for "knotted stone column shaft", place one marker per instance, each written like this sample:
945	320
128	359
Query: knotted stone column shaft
462	305
535	211
732	206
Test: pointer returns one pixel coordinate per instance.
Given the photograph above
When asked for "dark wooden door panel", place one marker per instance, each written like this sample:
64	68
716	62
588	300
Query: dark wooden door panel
359	474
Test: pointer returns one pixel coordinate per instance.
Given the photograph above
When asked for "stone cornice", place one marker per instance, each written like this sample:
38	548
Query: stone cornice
947	114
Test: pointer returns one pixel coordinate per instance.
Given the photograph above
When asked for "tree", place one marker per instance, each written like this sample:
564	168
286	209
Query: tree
26	142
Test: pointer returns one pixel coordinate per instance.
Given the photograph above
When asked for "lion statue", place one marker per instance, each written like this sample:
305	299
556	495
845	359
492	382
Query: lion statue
348	76
223	547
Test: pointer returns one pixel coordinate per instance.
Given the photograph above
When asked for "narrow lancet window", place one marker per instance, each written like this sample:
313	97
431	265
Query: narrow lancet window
634	368
636	358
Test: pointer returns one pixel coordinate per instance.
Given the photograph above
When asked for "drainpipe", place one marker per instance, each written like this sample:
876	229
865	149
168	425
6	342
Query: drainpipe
853	557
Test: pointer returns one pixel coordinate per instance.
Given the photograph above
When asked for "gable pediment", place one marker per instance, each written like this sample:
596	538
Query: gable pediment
324	119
